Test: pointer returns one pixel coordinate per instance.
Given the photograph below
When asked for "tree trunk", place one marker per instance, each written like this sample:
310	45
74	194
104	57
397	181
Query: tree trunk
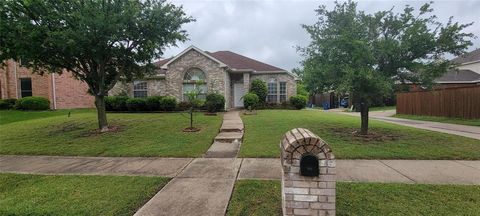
101	113
364	118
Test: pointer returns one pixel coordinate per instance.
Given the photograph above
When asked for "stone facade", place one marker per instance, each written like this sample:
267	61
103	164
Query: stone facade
215	74
68	93
303	192
219	78
277	77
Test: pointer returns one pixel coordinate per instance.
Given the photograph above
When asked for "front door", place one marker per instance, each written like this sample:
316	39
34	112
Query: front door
238	94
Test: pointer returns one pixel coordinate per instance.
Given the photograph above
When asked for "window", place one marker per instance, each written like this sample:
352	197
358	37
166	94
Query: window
25	87
283	92
272	92
194	81
139	89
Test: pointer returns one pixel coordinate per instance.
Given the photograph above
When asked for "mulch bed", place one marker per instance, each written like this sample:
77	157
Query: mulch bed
191	129
372	136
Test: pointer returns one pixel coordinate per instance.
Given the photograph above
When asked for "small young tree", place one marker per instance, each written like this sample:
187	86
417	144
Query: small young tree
98	41
367	54
259	87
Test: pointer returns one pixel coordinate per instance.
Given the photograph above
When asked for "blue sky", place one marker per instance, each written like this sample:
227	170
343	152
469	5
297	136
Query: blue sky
269	30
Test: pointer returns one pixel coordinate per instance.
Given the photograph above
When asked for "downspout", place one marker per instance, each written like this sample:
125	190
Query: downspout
54	94
227	97
16	78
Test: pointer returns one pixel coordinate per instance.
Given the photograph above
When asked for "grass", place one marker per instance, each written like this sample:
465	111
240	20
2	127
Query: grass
384	108
75	195
257	197
140	134
9	116
469	122
264	131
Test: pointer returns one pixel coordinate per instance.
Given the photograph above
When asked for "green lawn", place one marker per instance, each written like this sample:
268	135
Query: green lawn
141	134
9	116
264	131
257	197
470	122
75	195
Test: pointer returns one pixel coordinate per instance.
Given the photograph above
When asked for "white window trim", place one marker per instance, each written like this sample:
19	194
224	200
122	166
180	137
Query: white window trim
146	88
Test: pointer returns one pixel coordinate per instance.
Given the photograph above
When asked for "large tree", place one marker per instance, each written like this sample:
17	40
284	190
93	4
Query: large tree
99	41
368	54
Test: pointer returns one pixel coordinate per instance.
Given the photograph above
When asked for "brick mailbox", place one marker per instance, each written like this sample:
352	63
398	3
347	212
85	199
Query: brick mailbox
308	180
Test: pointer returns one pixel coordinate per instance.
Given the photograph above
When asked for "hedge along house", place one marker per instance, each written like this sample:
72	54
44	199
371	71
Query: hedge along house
223	72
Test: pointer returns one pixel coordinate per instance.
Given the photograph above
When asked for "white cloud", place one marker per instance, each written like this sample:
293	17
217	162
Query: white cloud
269	30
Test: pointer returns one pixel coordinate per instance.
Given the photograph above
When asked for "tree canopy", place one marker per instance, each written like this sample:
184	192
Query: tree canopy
99	41
368	54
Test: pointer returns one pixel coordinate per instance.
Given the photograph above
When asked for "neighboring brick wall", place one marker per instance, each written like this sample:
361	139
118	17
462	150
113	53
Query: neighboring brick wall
307	195
291	83
70	93
41	85
193	59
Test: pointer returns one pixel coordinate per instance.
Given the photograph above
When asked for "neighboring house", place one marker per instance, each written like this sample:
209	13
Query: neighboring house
63	91
224	72
466	74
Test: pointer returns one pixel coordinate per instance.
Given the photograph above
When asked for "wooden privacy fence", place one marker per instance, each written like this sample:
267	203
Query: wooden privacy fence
461	102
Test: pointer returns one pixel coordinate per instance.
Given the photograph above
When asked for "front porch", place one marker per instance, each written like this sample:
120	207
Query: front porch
239	85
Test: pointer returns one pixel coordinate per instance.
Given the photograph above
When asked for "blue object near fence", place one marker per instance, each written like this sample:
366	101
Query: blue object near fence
326	106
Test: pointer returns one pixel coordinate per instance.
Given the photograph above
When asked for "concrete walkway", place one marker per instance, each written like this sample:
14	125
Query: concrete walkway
205	186
227	142
455	129
229	169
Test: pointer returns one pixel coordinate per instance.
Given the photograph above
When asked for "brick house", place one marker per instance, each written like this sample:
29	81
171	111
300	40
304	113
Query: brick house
224	72
63	91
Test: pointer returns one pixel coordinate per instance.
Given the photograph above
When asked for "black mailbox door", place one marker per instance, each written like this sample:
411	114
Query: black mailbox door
309	165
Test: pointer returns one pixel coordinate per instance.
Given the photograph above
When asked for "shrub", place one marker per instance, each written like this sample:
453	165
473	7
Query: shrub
168	103
250	100
259	87
116	103
136	104
183	106
153	102
302	90
198	104
32	103
4	105
8	103
215	102
298	101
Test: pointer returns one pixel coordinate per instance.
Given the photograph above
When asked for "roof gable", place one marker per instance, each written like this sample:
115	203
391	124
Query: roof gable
226	59
166	62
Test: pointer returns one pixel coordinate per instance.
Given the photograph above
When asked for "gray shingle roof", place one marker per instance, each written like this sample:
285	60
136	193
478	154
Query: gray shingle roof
234	61
468	57
459	76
